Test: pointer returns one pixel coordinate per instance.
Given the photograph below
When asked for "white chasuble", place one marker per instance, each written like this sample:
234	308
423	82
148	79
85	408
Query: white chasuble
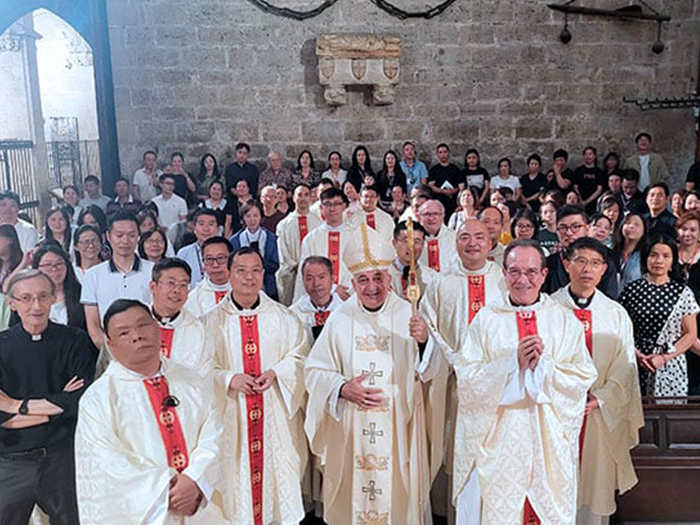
517	431
378	220
205	296
374	461
613	430
291	232
182	341
399	283
439	251
329	242
124	459
312	318
264	452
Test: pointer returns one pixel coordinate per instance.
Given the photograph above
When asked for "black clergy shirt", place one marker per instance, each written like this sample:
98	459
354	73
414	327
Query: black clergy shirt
38	367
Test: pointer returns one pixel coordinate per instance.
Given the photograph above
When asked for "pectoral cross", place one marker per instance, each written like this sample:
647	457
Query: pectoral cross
373	373
373	433
372	490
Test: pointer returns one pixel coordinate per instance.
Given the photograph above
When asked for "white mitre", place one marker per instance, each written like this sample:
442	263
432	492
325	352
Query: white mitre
367	250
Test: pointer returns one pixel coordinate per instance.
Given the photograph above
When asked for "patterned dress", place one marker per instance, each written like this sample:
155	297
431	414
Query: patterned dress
657	312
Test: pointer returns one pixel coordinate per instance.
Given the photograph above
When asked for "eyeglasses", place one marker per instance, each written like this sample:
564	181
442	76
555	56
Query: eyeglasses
42	298
155	241
582	262
91	242
431	215
530	273
524	226
172	285
219	259
49	266
574	228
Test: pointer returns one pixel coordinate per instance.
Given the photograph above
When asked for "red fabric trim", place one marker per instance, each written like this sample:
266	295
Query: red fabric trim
334	254
219	295
168	423
303	227
166	341
255	412
434	255
320	318
529	515
586	318
477	295
371	222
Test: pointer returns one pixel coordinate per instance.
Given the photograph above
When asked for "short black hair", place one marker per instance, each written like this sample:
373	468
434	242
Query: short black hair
326	180
571	209
528	215
403	226
149	152
535	157
177	154
165	176
91	178
334	192
122	215
122	179
560	154
317	259
242	145
243	250
203	211
642	135
170	263
10	195
371	187
442	145
586	243
630	174
661	185
218	239
120	306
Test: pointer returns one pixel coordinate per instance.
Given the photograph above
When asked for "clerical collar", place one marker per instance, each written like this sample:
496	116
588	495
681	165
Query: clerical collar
372	310
240	307
164	320
581	302
35	337
516	305
323	307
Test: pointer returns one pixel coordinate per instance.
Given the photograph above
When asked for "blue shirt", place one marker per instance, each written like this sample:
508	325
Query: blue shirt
414	174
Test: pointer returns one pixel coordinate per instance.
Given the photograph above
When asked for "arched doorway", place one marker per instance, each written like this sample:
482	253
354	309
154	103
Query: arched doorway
65	78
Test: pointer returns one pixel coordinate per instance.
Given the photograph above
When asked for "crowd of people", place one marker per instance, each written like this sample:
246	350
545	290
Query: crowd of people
366	346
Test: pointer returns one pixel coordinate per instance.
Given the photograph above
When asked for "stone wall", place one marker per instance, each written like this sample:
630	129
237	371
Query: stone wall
199	76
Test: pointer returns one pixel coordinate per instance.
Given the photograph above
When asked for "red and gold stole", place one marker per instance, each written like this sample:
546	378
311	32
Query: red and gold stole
321	316
219	295
477	295
371	222
527	325
168	423
166	341
586	318
434	254
334	254
255	410
303	227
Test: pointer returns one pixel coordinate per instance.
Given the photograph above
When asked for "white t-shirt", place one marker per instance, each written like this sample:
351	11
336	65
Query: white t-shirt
27	234
101	202
340	179
170	210
511	182
146	188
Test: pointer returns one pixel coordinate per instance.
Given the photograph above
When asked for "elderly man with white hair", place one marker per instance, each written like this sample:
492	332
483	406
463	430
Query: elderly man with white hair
440	244
365	417
276	173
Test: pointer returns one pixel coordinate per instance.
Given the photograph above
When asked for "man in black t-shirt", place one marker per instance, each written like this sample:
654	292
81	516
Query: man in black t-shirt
692	181
563	176
242	169
443	179
589	180
533	182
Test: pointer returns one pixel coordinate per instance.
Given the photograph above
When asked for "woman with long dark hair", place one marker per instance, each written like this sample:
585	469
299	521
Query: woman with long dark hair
52	260
390	175
475	176
663	312
208	173
57	227
305	172
10	252
360	166
94	215
627	244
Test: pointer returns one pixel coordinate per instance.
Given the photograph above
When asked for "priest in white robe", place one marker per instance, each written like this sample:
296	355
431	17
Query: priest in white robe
492	217
450	303
440	248
181	333
522	378
365	418
330	240
401	263
320	300
215	286
614	409
372	215
291	232
147	446
260	349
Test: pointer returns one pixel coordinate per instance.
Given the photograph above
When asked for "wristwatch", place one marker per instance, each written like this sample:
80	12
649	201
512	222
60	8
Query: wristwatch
24	408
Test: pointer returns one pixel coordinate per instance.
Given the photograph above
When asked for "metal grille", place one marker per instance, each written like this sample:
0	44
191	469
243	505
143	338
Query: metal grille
17	174
70	161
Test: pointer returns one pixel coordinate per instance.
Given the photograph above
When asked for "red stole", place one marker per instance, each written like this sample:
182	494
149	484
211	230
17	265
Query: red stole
334	254
586	318
168	423
321	316
255	411
303	227
371	222
404	286
477	295
166	341
527	325
219	295
434	254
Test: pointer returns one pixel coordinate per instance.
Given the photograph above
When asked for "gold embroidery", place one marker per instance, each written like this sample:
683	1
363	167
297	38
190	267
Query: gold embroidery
372	462
372	517
372	343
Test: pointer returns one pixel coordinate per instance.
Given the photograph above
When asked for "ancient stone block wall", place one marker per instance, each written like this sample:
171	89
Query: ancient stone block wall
199	76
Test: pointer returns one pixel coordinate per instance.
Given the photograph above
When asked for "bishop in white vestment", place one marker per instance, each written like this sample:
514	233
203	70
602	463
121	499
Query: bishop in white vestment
260	349
147	445
365	418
